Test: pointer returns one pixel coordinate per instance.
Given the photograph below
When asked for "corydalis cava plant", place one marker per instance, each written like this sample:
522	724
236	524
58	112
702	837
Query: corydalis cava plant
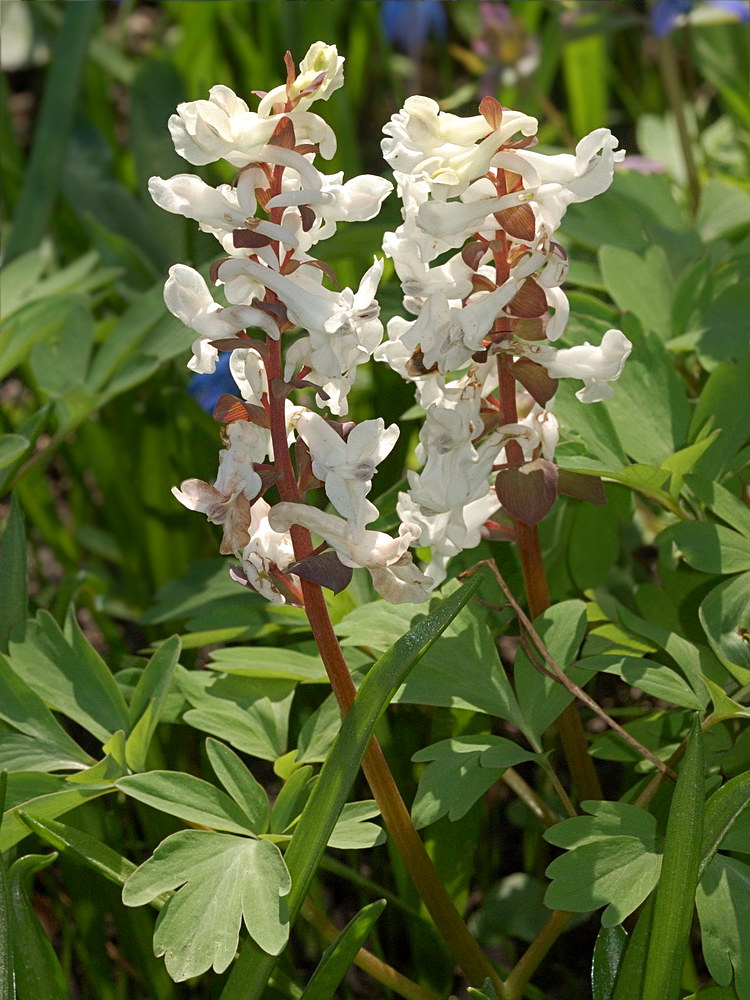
272	285
476	196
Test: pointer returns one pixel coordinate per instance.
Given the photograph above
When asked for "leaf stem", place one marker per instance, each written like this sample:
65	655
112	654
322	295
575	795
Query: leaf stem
365	960
528	963
529	797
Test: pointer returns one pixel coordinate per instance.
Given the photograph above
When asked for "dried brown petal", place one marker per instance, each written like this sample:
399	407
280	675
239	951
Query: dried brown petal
518	221
528	491
283	134
492	111
529	302
534	378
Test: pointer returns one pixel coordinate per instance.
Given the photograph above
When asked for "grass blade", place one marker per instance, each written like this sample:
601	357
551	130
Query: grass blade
339	956
675	894
37	200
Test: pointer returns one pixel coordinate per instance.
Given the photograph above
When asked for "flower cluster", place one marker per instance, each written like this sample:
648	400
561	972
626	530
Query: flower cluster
267	222
480	201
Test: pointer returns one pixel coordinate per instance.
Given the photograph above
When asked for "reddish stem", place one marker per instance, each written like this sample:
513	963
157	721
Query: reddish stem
467	953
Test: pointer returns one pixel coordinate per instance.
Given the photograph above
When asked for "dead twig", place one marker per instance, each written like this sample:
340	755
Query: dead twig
529	632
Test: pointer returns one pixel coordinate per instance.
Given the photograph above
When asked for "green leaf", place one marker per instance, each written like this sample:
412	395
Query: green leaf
685	459
222	881
69	674
542	699
96	855
723	503
641	284
14	578
59	366
653	678
675	893
585	63
188	797
251	714
148	701
291	799
12	446
724	617
44	807
352	832
459	773
717	408
694	661
612	858
36	969
273	662
337	958
649	409
608	952
723	901
241	785
319	732
53	127
251	971
710	548
463	670
629	985
723	810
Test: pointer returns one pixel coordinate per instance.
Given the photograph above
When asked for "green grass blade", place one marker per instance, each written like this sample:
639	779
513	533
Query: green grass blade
585	73
630	973
37	199
253	967
675	893
341	953
608	953
14	577
36	968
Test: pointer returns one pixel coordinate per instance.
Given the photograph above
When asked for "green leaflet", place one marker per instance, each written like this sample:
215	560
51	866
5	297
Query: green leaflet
612	858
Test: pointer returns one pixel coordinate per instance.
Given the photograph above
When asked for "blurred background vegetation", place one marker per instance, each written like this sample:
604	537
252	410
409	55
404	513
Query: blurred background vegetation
97	420
98	406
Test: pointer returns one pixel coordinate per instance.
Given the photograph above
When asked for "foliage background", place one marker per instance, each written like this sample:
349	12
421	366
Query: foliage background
99	424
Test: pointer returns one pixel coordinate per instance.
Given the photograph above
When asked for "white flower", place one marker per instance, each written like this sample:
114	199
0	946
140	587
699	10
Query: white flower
267	555
450	532
446	151
321	74
249	373
346	467
448	336
218	211
343	327
188	298
229	500
595	366
358	200
394	575
224	128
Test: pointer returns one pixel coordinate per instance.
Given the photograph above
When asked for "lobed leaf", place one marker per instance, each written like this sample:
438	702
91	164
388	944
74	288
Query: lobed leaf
221	882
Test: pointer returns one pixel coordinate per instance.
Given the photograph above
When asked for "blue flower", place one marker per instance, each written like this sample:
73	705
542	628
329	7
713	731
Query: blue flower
665	14
206	389
409	23
739	8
